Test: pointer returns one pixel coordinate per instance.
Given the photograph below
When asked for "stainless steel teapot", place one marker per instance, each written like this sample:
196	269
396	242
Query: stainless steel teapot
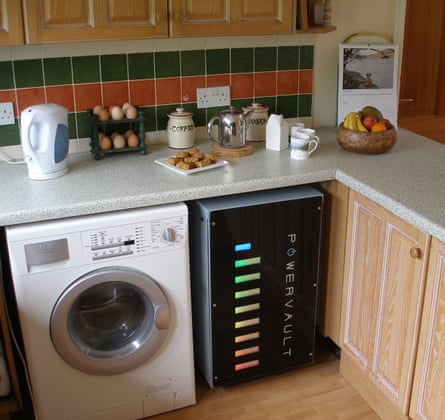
233	126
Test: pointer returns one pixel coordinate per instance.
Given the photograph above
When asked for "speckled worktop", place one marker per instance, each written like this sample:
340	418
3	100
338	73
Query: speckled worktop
408	180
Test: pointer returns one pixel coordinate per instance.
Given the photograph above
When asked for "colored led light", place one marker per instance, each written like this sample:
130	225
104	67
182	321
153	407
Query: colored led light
247	323
243	247
246	365
247	261
247	277
246	293
248	350
247	308
247	337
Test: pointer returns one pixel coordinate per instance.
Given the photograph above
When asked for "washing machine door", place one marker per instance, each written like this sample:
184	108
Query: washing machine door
110	320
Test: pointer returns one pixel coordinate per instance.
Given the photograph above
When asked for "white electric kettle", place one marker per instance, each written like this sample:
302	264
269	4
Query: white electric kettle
44	137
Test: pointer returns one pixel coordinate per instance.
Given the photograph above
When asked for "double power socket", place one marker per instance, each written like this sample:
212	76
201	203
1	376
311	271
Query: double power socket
6	113
213	96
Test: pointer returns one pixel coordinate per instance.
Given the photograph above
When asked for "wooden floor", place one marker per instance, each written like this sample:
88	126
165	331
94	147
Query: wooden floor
433	128
313	392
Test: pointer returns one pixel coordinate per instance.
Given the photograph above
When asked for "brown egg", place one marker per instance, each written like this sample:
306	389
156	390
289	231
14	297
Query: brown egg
119	142
132	112
103	115
97	109
104	143
128	133
133	140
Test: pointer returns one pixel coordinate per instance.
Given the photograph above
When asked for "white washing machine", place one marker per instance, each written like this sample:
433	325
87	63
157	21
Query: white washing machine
105	316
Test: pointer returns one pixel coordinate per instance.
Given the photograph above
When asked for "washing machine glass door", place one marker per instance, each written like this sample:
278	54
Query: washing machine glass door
110	320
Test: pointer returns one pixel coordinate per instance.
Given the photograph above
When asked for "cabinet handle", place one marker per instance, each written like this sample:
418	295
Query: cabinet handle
415	252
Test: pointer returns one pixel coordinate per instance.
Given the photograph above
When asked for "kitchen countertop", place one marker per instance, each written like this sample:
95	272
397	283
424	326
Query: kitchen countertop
408	180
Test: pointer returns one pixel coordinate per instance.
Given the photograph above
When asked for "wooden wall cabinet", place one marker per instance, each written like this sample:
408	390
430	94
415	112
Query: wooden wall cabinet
48	21
11	25
385	270
231	17
428	399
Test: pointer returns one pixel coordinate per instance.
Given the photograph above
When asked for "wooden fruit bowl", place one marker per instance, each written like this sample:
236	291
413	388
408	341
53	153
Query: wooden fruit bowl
369	143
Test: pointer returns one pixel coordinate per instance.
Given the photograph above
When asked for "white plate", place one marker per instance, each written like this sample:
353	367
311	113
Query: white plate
163	162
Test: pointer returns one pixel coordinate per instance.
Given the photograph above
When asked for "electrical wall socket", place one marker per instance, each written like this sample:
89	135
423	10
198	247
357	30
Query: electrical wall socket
213	96
6	113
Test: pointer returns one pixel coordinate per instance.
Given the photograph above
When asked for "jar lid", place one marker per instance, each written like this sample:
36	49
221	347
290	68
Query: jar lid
255	106
180	112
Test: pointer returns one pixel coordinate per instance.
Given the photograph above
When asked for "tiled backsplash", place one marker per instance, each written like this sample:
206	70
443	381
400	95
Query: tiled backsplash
158	82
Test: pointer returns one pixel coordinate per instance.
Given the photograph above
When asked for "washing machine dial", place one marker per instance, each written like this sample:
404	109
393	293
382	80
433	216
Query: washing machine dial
169	234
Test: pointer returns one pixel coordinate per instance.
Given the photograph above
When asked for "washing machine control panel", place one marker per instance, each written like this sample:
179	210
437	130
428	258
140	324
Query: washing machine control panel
141	238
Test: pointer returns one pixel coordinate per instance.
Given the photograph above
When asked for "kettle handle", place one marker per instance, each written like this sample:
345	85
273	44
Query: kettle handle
209	130
27	131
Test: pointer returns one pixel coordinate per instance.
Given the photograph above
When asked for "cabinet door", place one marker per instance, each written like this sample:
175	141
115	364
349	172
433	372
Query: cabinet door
230	17
85	20
383	292
428	401
11	32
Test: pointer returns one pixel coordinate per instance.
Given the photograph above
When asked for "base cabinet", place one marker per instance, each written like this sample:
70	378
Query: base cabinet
428	399
385	270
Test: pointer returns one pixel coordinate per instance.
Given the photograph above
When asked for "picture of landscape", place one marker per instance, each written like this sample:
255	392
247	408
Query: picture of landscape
368	67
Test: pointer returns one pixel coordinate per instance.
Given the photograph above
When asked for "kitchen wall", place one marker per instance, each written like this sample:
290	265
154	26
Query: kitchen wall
295	75
158	76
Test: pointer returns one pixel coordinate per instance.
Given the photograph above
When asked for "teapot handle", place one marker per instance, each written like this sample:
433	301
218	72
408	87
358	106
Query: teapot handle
209	130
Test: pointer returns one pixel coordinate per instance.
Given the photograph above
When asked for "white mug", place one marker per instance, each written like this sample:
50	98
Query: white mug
295	128
311	132
303	145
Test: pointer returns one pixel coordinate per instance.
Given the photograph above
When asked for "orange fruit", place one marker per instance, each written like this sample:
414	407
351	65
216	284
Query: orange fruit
379	126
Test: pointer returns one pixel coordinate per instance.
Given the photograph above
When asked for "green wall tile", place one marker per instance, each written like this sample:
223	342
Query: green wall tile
265	59
57	71
161	114
86	69
304	105
9	135
113	67
83	125
141	66
6	78
150	118
218	61
28	73
306	57
241	60
193	63
72	131
287	105
167	64
288	58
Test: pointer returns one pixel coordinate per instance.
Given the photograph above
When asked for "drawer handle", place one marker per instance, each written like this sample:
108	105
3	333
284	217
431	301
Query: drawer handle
415	252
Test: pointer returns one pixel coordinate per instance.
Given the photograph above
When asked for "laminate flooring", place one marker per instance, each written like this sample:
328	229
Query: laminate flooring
315	392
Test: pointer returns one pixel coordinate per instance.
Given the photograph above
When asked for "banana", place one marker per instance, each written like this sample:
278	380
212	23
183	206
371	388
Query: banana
350	122
353	121
360	125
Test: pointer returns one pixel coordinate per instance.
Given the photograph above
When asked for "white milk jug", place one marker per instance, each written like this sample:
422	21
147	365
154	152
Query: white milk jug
277	133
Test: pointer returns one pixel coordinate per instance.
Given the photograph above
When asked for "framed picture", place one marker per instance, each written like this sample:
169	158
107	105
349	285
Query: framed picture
368	76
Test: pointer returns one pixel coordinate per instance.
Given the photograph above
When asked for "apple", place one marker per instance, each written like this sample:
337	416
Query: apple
368	121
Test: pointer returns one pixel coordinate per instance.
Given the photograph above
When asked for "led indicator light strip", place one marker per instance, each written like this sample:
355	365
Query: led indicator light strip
247	261
247	337
247	323
243	247
248	350
247	277
246	365
247	293
247	308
